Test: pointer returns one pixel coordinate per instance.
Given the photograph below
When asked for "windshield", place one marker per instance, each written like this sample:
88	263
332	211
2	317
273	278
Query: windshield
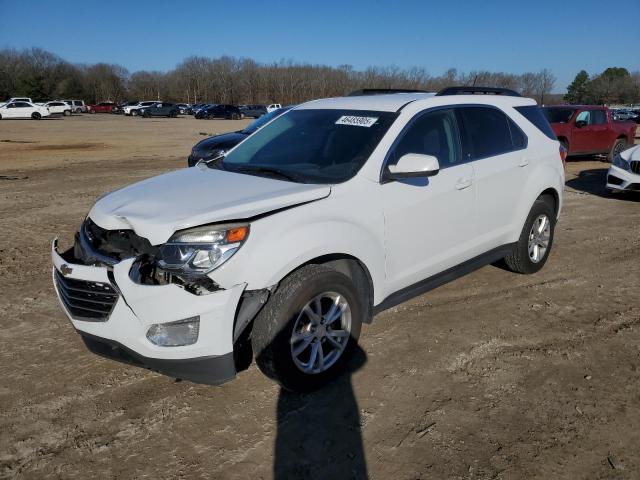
311	146
558	115
263	120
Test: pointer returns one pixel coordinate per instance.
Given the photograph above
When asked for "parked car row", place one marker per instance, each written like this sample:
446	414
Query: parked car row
624	114
25	107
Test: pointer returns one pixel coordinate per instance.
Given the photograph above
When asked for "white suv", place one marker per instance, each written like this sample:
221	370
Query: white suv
330	213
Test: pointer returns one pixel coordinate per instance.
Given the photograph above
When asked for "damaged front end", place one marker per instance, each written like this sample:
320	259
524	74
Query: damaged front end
97	246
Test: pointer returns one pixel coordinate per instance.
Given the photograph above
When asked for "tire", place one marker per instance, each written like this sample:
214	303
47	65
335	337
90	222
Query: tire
66	113
134	113
283	314
146	115
235	116
92	111
618	146
78	110
173	115
36	116
521	259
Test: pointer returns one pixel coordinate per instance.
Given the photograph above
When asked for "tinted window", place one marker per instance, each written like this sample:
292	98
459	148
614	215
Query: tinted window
21	105
487	131
518	138
434	133
534	114
556	115
598	117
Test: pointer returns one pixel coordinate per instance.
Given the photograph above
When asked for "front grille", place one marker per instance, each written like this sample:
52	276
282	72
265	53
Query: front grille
91	301
635	166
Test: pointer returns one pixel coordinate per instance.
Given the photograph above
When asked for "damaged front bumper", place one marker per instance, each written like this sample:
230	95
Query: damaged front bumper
113	314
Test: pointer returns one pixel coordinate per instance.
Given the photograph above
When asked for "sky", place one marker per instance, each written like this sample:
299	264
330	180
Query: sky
564	36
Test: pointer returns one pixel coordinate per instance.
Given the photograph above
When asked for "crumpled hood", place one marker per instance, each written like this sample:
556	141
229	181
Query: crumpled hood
157	207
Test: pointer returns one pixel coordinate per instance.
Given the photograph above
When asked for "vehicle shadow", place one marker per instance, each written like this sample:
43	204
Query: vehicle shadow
593	181
319	434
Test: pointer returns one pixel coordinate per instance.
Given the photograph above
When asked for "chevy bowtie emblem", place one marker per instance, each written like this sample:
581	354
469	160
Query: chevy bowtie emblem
65	269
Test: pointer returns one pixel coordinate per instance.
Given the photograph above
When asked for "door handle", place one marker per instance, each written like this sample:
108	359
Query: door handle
523	162
463	183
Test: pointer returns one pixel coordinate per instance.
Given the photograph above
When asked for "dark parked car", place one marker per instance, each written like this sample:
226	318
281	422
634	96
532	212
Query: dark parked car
220	111
255	111
184	108
218	145
197	107
160	109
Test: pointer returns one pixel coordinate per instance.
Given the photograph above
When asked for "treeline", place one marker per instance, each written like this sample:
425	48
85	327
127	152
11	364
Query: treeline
43	75
613	86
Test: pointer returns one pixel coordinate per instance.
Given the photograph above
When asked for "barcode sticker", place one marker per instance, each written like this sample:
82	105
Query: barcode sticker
356	121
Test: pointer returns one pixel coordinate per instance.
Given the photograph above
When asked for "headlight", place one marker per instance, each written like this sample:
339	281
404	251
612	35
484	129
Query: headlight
202	249
620	162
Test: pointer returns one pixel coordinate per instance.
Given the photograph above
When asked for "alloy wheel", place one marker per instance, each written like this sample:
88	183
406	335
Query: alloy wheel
539	238
321	333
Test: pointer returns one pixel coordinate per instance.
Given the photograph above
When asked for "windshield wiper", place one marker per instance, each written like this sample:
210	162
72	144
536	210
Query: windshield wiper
215	162
268	170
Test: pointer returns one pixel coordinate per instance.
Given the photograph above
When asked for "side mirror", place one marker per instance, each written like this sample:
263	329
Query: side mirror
581	123
413	165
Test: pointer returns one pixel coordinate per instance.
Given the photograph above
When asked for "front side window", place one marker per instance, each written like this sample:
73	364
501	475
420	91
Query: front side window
584	116
487	131
433	133
312	146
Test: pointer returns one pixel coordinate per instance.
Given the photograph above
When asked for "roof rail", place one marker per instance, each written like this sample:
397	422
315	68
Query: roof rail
478	91
382	91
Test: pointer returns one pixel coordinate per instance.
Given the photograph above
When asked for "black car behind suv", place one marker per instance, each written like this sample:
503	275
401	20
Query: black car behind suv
160	109
218	145
230	112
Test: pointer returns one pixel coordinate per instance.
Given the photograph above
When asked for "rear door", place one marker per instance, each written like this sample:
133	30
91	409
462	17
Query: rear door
501	162
429	222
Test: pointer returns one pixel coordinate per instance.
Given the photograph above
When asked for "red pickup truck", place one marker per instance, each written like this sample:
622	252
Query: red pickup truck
590	130
103	107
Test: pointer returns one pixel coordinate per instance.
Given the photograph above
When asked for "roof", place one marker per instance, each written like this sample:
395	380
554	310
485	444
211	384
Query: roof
592	107
395	101
391	102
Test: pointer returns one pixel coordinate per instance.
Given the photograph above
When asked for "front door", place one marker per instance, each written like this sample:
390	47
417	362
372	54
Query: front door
429	222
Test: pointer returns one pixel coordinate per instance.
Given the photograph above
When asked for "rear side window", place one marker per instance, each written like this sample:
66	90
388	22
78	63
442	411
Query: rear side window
487	131
598	117
538	119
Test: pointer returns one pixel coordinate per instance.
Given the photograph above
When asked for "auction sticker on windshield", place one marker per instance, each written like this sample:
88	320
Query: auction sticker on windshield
356	121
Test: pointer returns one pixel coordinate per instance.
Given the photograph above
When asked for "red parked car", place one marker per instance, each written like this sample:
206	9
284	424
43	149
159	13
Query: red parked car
102	107
590	130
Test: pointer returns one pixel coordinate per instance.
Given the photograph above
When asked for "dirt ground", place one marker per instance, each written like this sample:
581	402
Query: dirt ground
495	375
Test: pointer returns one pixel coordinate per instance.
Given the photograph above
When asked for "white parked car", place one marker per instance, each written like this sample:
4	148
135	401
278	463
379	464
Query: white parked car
273	106
20	109
135	109
58	107
19	99
624	172
77	106
333	211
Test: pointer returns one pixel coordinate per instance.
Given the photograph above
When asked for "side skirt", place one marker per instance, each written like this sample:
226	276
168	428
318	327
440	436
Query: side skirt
442	278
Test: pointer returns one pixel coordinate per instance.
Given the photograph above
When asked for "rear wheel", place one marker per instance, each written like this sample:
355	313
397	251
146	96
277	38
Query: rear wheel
36	116
619	146
532	249
66	113
308	328
235	116
146	114
173	115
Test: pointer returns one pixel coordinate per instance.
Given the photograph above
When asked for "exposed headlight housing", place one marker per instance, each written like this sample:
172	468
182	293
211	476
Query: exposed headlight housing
620	162
201	250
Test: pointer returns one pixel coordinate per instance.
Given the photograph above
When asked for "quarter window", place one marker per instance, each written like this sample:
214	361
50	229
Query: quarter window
434	133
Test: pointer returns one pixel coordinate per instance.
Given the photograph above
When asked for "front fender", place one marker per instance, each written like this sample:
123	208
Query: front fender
282	242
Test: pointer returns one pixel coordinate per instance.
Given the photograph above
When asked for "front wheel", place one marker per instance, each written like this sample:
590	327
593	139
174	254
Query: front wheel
36	116
308	328
532	249
173	115
619	146
134	113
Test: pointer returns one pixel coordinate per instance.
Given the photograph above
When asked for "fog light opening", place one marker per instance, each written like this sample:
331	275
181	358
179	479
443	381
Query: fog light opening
175	334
